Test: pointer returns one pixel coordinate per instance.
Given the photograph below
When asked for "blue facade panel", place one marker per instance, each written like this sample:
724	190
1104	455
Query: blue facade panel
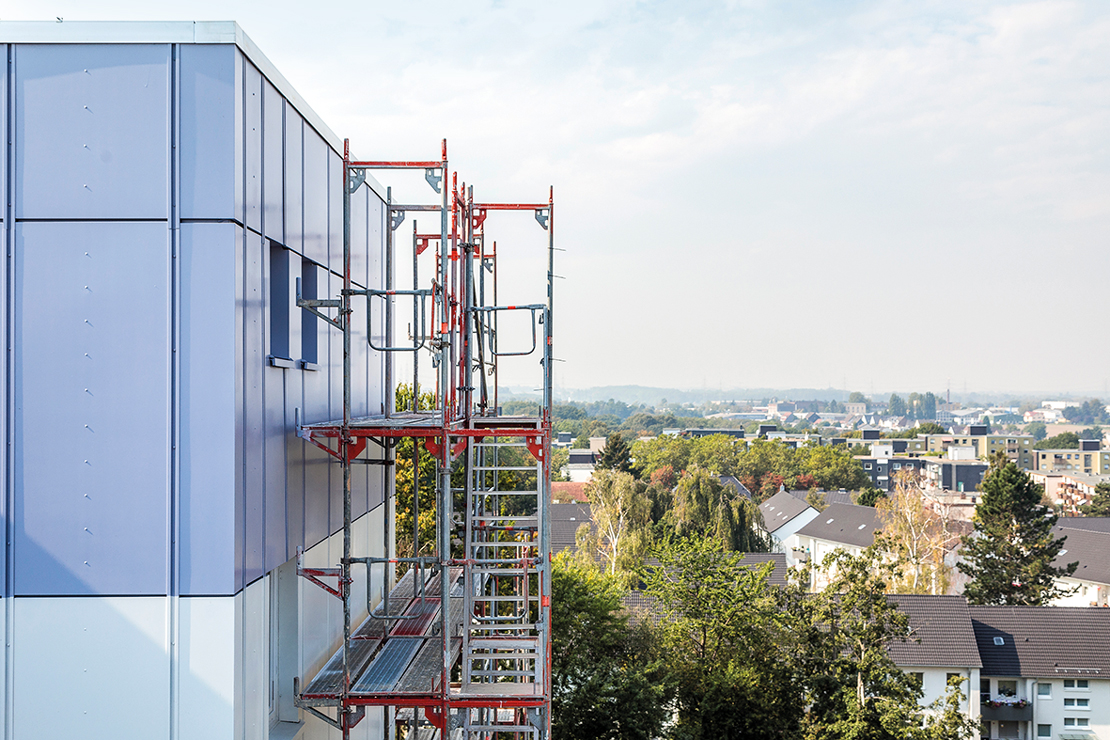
206	390
92	408
92	131
315	189
294	180
253	409
207	136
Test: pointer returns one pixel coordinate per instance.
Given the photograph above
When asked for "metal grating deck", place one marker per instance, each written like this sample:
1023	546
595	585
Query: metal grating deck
385	670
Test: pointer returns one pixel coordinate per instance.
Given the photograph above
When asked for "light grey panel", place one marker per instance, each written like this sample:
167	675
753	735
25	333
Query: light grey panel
294	452
91	408
315	197
335	343
375	270
254	361
240	412
252	145
274	419
294	180
207	397
92	125
207	134
273	146
358	321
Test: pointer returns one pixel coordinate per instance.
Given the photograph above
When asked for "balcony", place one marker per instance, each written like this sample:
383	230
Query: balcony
1003	712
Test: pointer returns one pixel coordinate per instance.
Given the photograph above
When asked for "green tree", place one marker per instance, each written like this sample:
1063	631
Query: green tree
1100	502
1094	432
422	509
833	467
615	455
896	406
915	536
1062	441
621	512
1010	553
1038	429
705	508
605	680
728	644
870	496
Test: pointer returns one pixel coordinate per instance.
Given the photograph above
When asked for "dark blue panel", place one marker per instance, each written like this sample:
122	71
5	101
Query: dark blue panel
316	154
92	130
91	395
254	362
206	451
273	148
294	180
252	145
206	141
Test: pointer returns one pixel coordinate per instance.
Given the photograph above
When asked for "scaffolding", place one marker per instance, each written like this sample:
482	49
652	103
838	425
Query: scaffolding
459	647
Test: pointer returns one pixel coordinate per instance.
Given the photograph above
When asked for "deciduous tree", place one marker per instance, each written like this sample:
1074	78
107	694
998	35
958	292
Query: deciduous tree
621	514
916	536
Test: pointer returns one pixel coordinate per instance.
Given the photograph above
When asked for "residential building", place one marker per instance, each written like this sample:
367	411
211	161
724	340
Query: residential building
1068	491
1018	447
1089	459
1046	671
941	646
580	465
783	515
962	476
840	526
883	469
1087	543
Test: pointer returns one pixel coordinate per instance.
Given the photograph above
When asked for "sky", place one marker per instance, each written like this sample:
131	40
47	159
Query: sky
863	195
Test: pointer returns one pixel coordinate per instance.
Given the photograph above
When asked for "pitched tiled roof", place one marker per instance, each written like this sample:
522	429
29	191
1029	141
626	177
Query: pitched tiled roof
831	497
758	559
941	633
844	523
1090	548
567	491
734	482
1039	642
565	521
780	509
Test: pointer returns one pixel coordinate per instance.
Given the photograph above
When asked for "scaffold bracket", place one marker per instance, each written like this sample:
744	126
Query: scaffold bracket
433	179
542	217
355	178
398	217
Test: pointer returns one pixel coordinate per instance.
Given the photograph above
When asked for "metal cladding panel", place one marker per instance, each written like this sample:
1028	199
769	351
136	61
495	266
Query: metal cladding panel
206	452
316	154
240	414
276	545
294	475
363	474
110	657
92	130
253	400
335	344
206	696
273	151
207	135
375	269
91	408
252	146
294	180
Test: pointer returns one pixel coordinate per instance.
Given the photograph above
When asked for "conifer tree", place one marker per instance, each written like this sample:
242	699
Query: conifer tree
1009	555
1100	503
615	455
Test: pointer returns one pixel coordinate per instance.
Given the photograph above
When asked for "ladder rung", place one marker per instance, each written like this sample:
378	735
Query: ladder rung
503	643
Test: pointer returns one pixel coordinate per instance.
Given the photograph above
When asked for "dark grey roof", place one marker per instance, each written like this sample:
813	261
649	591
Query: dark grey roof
1090	523
1090	549
740	488
844	523
642	607
778	572
941	633
780	509
1042	641
831	497
565	521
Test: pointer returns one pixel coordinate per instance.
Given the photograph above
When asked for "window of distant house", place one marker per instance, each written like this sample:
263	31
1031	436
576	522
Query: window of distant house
1044	730
917	679
1076	683
1076	722
279	301
1078	703
985	690
1044	691
310	273
1007	688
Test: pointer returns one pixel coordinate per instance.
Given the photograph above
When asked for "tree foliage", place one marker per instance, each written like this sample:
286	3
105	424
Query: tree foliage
916	536
1010	553
1062	441
621	513
615	455
606	682
705	508
1100	502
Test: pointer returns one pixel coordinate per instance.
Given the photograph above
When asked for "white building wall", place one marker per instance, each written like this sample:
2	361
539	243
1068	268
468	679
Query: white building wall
785	539
1050	710
1085	593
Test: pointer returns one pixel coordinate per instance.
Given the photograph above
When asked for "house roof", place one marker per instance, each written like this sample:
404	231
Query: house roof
844	523
1090	523
831	497
737	486
941	633
563	489
1039	641
780	509
565	521
1090	548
